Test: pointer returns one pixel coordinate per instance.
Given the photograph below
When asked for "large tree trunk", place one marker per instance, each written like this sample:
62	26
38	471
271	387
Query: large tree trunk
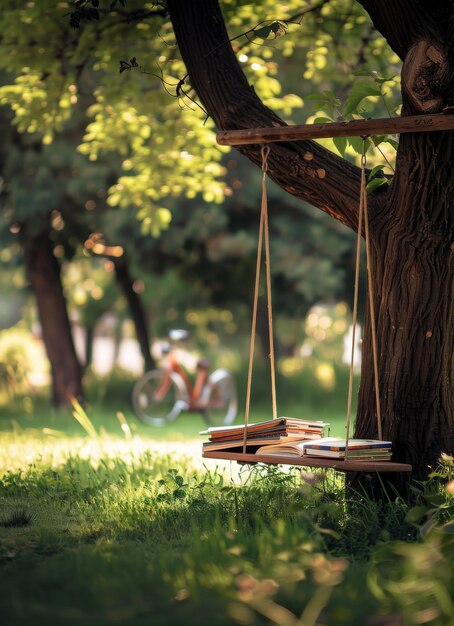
135	309
413	252
414	272
412	224
44	275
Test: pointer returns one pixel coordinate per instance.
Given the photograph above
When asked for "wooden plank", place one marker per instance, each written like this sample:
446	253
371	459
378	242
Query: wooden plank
392	125
341	466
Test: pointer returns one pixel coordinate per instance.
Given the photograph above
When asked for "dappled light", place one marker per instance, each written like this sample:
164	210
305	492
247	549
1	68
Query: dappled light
226	225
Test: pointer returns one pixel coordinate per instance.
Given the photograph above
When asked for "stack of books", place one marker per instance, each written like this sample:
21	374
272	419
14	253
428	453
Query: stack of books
262	434
358	449
332	448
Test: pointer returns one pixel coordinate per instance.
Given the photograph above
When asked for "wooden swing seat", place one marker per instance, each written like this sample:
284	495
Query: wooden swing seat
306	461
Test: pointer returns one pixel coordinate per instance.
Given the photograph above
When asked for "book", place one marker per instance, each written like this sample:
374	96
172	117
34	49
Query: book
289	448
330	447
282	429
280	422
339	445
256	440
358	449
277	433
353	455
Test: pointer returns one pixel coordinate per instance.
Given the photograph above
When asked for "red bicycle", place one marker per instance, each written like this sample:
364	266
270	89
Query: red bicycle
160	395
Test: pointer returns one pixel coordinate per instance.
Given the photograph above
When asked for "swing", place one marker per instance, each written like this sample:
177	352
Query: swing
343	465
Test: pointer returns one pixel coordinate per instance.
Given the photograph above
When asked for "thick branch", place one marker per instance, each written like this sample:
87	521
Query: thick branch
405	22
304	169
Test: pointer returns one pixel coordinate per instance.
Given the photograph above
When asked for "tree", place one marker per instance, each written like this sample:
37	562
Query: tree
168	152
48	195
36	197
412	222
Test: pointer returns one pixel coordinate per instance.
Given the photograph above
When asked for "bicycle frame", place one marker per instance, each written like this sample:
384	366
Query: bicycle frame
194	392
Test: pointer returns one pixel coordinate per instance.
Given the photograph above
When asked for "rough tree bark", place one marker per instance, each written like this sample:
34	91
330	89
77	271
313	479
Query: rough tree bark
411	225
44	275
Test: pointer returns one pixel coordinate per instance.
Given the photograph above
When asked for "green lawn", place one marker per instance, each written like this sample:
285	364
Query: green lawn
132	527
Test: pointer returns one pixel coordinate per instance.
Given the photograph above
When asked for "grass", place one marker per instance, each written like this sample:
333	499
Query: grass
129	526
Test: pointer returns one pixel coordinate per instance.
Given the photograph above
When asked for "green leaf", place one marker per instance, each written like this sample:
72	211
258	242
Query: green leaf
374	171
276	28
341	144
374	75
416	514
378	139
436	499
357	144
357	94
376	183
323	120
328	97
263	32
179	494
393	143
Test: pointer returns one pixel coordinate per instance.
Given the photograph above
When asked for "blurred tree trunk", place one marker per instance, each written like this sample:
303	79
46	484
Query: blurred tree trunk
136	310
44	275
89	339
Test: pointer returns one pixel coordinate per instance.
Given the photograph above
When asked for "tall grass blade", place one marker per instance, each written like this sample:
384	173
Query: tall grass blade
83	419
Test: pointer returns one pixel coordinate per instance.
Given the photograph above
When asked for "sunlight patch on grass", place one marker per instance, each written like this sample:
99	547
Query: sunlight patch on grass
20	451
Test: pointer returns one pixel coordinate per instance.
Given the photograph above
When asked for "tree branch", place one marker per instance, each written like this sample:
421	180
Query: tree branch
421	33
304	169
405	22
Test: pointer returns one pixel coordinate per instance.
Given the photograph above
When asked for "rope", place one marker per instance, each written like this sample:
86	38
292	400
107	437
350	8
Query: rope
355	297
363	210
262	228
268	288
372	312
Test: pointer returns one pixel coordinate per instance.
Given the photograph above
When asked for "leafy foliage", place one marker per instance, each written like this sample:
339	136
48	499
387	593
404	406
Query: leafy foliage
166	148
144	144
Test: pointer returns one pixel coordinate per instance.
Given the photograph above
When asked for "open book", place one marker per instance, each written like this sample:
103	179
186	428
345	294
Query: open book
290	448
331	447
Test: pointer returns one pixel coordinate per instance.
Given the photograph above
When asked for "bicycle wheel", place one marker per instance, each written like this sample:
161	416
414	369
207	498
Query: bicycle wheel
221	399
153	408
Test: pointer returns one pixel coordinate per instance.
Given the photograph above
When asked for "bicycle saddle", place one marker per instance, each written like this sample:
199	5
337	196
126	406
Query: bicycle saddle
178	334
